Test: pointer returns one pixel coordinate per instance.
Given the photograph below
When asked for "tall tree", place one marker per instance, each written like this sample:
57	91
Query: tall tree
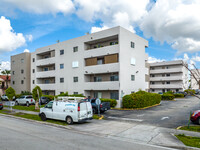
7	73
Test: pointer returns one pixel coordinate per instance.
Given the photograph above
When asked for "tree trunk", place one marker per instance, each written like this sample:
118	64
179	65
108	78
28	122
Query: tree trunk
36	106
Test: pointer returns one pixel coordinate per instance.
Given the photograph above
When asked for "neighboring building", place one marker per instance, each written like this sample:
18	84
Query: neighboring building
20	72
194	84
168	76
3	84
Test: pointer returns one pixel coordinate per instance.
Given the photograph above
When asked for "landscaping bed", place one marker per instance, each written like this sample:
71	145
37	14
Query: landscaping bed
191	128
189	141
30	108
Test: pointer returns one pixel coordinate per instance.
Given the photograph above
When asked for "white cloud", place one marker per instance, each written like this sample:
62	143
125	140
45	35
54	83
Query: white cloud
29	37
41	6
153	59
176	22
4	65
9	39
97	29
26	51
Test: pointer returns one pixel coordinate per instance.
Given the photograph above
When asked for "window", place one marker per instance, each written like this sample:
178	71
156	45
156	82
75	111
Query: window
33	81
97	79
114	95
22	71
75	49
152	82
22	60
33	70
46	81
163	75
61	92
152	75
97	94
22	81
132	45
168	75
62	52
177	90
163	90
61	80
61	66
100	61
33	59
75	79
13	72
13	82
133	61
47	56
75	64
75	93
113	43
163	82
153	90
132	77
168	90
167	67
168	82
152	68
46	69
13	62
114	78
163	67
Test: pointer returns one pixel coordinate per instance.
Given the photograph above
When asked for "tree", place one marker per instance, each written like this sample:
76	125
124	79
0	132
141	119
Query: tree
10	93
37	93
7	73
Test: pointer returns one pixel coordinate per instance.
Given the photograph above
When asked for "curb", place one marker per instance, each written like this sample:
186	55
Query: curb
101	117
179	127
45	123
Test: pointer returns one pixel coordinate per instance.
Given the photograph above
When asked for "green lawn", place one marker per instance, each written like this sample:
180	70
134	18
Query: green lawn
191	128
189	141
30	108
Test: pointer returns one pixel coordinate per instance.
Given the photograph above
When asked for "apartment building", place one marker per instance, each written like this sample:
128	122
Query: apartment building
106	64
168	76
20	72
195	78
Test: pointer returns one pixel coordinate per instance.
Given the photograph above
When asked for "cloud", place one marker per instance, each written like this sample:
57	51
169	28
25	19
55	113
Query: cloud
176	22
4	65
26	51
29	37
9	39
152	59
97	29
41	6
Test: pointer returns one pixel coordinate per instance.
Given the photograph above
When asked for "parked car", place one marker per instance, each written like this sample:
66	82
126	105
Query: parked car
44	100
197	91
195	117
69	111
25	100
104	106
1	105
160	93
184	93
5	98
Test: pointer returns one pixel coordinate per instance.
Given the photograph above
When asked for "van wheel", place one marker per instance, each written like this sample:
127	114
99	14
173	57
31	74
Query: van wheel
43	117
69	120
16	103
27	104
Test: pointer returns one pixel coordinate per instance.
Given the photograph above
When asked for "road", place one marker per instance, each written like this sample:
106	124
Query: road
18	134
169	114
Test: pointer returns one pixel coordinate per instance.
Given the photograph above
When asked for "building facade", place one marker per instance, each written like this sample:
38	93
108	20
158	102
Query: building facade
194	84
20	72
168	76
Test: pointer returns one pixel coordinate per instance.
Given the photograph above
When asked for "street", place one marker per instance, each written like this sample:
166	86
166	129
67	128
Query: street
169	114
25	135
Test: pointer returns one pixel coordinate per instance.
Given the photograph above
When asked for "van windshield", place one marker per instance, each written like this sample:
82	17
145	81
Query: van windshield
49	105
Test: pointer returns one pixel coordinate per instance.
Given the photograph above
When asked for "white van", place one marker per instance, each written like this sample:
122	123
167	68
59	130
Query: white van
69	109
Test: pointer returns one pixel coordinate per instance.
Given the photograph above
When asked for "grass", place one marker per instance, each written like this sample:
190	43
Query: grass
189	141
30	108
191	128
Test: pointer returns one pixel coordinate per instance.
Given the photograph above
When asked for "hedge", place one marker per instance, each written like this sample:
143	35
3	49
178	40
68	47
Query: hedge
141	99
113	102
178	95
167	96
51	97
189	91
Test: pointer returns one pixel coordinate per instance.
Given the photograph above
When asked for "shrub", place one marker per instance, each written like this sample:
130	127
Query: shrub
113	102
17	96
166	96
63	94
10	92
77	95
169	92
51	97
178	95
26	93
35	92
140	99
190	92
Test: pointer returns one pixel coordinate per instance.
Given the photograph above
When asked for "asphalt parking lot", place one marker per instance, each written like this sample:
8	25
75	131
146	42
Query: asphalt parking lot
169	114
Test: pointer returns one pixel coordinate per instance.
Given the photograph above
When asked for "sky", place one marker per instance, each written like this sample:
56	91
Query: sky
172	27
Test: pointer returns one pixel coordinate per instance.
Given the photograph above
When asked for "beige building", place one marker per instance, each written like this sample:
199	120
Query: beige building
21	72
168	76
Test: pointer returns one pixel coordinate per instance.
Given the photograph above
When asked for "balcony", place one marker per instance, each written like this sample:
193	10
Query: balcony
104	68
166	86
47	61
46	74
170	78
111	49
161	71
47	86
109	85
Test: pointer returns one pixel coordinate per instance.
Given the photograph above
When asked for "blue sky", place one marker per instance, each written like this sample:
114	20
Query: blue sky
171	27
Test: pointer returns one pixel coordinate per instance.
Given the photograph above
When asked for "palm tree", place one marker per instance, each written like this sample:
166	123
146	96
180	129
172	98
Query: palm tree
7	73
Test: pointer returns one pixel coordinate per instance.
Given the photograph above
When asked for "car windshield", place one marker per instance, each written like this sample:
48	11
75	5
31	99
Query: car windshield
49	105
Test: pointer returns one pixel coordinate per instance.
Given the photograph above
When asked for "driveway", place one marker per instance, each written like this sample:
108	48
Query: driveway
170	114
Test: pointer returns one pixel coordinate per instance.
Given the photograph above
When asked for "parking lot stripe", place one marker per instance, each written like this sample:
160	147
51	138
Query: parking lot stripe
127	119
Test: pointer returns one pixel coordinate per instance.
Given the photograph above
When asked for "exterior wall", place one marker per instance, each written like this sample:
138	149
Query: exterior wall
17	66
194	84
168	76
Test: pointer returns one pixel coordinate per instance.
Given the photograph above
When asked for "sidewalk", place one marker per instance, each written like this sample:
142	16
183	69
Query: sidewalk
131	131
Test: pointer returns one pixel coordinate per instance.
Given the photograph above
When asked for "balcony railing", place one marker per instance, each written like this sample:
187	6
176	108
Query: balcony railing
161	71
109	85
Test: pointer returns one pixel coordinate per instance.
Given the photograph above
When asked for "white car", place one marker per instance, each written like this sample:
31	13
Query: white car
25	100
69	111
5	98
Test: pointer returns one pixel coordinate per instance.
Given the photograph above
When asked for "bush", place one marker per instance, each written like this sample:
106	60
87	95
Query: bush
51	97
140	99
178	95
10	92
167	96
77	95
169	92
37	90
113	102
63	94
190	92
17	96
26	93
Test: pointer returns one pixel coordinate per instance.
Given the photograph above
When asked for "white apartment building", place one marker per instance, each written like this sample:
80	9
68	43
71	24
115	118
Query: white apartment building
194	83
168	76
106	64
